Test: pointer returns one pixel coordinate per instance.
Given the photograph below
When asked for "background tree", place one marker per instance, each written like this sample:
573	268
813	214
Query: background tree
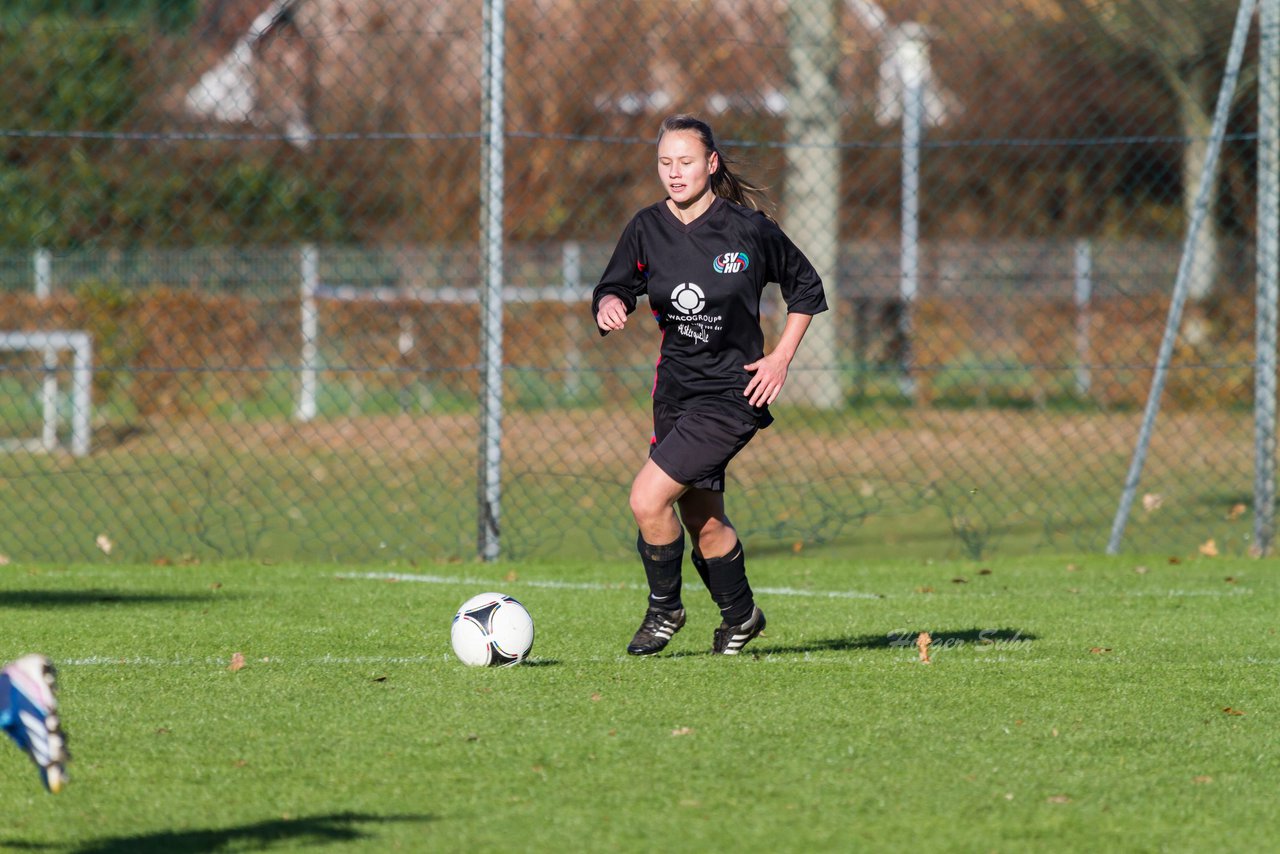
1186	42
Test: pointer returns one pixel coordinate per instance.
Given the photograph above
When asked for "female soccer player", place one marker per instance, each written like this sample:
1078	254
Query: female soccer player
703	255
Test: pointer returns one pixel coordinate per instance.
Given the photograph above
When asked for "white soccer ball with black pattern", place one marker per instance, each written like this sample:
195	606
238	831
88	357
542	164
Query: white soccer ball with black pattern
492	630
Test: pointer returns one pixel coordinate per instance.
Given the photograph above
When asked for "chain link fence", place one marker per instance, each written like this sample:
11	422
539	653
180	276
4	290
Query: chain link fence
268	218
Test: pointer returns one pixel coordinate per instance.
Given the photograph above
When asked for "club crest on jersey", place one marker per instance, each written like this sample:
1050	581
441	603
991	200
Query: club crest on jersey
688	298
731	262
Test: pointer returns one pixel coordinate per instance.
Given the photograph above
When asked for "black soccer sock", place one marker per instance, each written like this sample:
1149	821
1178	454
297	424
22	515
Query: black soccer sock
700	564
662	566
727	581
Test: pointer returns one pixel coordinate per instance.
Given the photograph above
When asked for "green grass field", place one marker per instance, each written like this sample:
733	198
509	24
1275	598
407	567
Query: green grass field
1072	704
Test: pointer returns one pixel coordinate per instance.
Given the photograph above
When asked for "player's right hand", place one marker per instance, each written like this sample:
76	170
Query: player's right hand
612	314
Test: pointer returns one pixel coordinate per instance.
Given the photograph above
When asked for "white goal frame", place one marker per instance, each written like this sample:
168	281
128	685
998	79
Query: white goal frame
52	343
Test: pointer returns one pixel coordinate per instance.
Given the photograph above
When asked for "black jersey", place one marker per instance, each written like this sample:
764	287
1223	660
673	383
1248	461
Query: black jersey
704	282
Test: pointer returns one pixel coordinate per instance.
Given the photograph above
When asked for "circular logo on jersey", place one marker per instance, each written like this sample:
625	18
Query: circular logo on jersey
689	298
731	262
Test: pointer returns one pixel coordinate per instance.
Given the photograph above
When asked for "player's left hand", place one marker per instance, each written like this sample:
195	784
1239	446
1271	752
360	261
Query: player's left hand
767	377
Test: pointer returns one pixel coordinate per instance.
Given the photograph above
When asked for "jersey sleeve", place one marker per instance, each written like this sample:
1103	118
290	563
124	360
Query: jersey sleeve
624	276
801	285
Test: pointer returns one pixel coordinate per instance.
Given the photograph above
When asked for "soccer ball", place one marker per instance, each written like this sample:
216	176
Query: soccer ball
492	630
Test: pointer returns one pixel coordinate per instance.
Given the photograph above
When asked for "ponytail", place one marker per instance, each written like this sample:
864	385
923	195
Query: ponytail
725	183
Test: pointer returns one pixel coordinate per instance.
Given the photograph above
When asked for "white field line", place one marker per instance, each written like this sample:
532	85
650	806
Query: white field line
585	585
554	584
225	661
979	656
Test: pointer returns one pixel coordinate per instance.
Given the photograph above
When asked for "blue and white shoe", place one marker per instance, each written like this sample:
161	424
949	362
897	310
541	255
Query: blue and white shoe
29	714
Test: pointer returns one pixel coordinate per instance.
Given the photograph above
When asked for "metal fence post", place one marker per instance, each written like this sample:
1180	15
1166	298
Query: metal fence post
81	391
1083	268
913	59
309	260
491	236
1182	283
43	268
1268	281
42	264
571	263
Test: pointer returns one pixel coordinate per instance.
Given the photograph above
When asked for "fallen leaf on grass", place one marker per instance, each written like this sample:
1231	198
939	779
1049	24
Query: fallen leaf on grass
1058	799
922	644
959	580
597	697
1141	570
1100	650
1236	511
684	730
984	572
1203	778
237	662
1230	711
1209	548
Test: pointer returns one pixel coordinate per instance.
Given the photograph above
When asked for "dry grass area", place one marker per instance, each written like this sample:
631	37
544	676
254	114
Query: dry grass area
927	443
942	483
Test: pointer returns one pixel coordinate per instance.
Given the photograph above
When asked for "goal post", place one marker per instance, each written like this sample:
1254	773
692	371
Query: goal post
51	344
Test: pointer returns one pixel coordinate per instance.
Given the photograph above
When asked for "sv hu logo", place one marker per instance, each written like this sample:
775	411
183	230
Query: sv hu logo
731	262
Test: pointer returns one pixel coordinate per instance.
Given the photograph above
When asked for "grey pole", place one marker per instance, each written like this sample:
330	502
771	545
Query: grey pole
308	379
1083	299
49	397
1185	264
571	264
913	56
812	200
491	201
81	391
43	263
1268	250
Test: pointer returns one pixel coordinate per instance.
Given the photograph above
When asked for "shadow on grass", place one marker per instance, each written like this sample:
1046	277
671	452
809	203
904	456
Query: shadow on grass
300	832
78	598
898	639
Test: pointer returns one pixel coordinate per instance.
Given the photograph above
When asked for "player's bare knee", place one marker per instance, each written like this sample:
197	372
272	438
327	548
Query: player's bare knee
714	535
648	509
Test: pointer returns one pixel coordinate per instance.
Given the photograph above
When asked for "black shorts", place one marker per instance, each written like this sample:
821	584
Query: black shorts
693	446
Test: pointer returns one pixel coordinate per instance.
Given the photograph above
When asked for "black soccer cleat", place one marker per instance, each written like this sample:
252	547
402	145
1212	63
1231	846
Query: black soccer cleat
655	632
729	640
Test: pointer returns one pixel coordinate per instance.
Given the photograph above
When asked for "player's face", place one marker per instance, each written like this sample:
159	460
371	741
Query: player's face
685	167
